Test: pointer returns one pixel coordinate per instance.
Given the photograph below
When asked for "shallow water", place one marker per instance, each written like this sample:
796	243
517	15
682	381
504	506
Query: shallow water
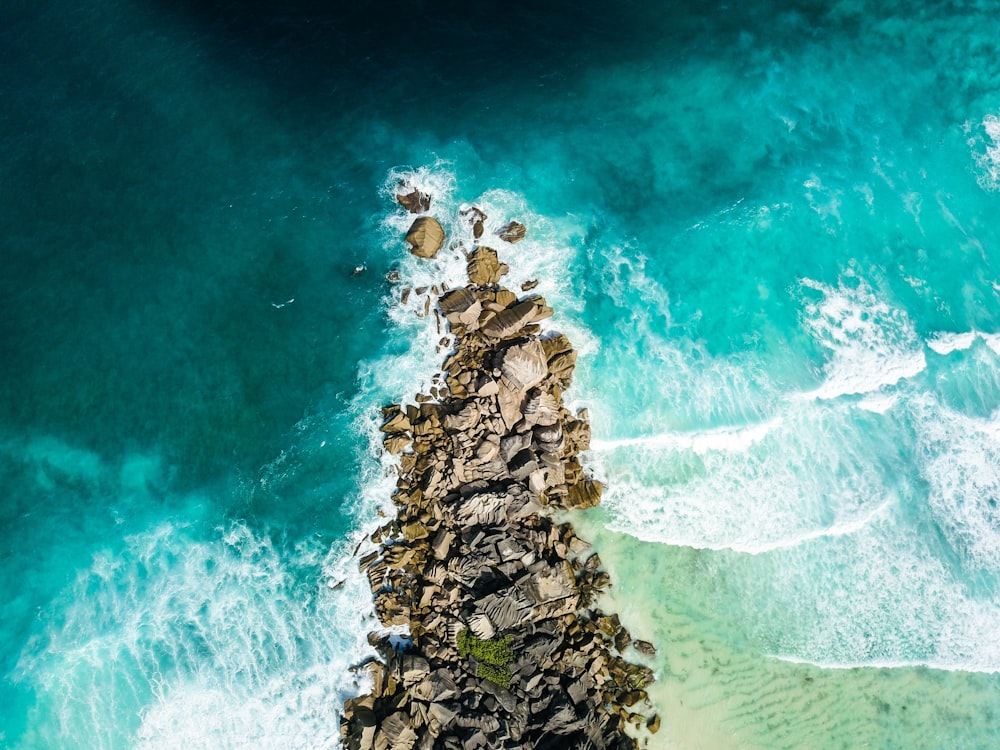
770	231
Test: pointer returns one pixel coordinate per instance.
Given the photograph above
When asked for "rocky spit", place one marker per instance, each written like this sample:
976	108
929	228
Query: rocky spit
506	646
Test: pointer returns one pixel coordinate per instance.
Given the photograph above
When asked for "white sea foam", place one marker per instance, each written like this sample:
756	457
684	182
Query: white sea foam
992	340
543	255
881	598
986	151
812	473
959	458
824	201
732	439
878	403
871	344
221	642
946	343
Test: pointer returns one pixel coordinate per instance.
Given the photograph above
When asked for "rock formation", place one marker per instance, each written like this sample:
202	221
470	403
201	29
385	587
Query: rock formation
425	237
506	648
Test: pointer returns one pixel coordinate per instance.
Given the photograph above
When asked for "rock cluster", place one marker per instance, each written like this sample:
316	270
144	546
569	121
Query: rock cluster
506	648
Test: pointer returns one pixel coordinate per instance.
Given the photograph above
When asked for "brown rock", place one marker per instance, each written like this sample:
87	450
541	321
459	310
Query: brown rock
508	322
475	216
585	494
460	306
484	267
523	366
426	236
513	232
396	442
644	647
415	202
397	423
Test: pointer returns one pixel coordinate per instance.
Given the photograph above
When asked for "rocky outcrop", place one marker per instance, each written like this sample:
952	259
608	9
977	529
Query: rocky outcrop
506	648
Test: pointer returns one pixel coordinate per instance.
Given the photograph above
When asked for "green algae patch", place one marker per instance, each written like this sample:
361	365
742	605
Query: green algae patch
492	656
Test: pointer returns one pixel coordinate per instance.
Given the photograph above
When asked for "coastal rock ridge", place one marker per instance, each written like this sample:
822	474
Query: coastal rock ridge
506	646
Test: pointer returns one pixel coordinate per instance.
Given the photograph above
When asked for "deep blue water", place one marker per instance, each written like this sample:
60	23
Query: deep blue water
770	228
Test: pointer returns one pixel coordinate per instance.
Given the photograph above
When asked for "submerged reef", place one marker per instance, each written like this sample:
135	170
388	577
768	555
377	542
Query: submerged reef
506	646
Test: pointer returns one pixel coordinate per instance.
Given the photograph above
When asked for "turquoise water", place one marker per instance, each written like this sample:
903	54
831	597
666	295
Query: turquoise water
771	231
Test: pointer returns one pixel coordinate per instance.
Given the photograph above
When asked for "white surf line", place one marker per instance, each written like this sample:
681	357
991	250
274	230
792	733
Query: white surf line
733	439
888	664
945	343
844	528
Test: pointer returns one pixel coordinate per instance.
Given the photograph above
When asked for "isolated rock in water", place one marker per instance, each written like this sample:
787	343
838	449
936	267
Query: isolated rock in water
425	237
475	216
415	202
513	232
644	647
484	267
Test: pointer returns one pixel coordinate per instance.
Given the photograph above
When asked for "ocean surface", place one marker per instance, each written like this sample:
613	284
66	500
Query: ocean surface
772	230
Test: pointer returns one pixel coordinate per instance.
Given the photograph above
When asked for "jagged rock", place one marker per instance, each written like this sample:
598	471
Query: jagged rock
508	322
487	386
644	647
523	366
416	201
426	236
541	408
513	232
443	713
578	434
396	442
398	733
414	669
585	494
461	307
484	267
483	509
522	464
513	444
547	584
398	422
480	624
475	218
509	401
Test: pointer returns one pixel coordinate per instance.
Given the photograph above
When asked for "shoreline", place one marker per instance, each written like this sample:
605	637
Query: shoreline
506	647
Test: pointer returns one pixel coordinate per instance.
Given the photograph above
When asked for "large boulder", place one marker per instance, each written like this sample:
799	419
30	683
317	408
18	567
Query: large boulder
523	366
508	322
484	267
462	307
426	236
